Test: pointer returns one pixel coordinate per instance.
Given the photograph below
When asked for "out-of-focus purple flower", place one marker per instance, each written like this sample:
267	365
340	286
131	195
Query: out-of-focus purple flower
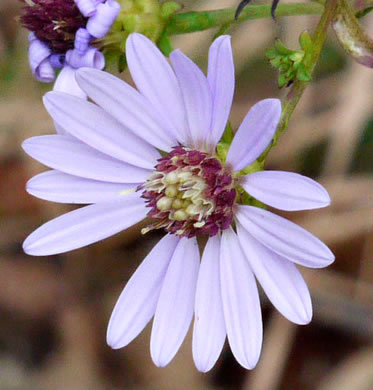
82	39
100	22
61	35
39	55
110	159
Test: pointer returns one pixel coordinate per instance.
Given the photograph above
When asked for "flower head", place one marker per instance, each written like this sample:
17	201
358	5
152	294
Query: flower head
61	36
111	160
189	193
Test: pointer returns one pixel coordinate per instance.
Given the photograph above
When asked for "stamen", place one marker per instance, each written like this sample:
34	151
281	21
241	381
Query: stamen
180	215
171	191
171	178
177	204
164	203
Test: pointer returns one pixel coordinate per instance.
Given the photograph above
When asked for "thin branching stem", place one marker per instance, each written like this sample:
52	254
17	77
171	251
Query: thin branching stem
182	23
291	99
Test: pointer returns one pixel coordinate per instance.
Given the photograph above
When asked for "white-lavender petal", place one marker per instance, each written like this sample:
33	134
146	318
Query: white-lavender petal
127	106
284	237
280	279
66	83
156	80
175	306
209	326
286	190
71	156
60	130
221	80
254	134
60	187
95	127
242	313
138	301
85	226
196	96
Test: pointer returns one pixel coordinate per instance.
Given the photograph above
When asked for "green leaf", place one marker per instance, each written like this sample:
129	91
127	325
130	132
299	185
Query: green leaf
116	59
281	48
276	62
246	199
297	56
254	167
303	74
228	134
169	8
271	53
225	142
305	41
122	63
282	80
222	151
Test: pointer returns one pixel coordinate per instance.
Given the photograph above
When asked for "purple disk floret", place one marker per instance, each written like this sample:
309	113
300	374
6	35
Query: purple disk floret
219	192
54	22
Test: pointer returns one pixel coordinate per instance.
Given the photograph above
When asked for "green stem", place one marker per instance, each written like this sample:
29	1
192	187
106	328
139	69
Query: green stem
292	98
165	45
198	21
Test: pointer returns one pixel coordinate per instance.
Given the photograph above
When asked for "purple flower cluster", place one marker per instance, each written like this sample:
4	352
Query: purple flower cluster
61	36
53	22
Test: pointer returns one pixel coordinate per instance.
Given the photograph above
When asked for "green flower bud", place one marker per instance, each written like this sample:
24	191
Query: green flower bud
147	17
292	64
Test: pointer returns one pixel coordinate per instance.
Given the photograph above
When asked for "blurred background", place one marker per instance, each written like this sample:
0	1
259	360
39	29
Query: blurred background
54	310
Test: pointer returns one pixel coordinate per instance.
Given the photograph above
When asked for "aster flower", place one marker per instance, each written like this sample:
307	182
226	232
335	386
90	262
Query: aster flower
61	36
110	159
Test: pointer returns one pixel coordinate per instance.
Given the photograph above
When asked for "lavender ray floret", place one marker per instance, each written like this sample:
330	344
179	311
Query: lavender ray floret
100	23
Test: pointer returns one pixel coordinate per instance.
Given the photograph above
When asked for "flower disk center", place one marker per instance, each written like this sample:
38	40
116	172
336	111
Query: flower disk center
189	193
54	22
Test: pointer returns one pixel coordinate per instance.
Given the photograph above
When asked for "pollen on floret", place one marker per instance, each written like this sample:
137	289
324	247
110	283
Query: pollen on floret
189	193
